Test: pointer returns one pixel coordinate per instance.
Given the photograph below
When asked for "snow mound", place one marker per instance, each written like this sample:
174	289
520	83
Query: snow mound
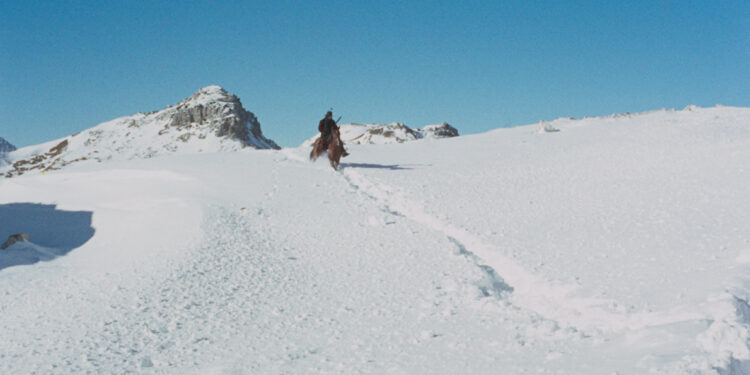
211	120
545	127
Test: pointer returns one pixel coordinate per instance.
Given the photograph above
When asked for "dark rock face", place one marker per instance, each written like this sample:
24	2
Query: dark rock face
5	146
443	130
13	238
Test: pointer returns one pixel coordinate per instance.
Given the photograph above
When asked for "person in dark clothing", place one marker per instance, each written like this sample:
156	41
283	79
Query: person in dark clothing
324	127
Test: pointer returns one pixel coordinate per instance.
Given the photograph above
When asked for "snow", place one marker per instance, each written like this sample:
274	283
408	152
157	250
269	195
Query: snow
146	135
379	134
615	245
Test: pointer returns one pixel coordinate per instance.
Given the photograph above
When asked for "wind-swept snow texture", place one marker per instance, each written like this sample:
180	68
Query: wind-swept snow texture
615	245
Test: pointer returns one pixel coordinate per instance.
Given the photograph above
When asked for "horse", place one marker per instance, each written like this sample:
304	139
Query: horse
319	146
333	146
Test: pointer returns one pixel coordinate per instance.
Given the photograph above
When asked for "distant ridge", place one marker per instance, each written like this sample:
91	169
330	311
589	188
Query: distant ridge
5	146
395	132
211	120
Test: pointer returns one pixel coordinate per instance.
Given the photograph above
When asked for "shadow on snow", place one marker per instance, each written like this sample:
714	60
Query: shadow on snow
380	166
53	232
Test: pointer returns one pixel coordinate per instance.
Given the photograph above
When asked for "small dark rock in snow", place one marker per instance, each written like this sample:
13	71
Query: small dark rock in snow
442	130
13	238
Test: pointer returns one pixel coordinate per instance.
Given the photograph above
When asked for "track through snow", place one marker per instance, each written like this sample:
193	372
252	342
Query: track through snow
730	322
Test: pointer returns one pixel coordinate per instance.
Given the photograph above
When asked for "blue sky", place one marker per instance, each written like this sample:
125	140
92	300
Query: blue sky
480	65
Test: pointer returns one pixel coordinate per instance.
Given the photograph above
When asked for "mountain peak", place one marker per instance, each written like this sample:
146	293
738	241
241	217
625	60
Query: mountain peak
212	91
210	120
5	146
207	95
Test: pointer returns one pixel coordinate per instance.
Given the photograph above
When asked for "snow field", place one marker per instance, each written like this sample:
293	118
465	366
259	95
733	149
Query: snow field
617	245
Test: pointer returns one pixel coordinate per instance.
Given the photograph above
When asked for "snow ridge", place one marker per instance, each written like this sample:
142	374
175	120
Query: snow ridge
395	132
211	120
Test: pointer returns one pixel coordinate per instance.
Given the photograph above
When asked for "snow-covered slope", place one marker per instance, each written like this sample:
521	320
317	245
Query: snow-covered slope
388	133
615	245
210	120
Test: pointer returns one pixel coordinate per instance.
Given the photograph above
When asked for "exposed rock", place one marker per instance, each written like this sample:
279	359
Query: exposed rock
40	161
210	120
442	130
13	238
395	132
6	147
214	106
389	133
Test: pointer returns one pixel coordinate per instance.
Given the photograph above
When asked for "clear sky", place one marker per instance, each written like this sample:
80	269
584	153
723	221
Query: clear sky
68	65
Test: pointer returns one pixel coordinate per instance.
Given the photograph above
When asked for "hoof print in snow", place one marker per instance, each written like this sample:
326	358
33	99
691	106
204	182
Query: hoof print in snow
13	238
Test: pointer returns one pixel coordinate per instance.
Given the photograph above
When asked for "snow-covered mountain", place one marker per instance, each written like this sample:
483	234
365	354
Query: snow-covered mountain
210	120
606	245
396	132
6	147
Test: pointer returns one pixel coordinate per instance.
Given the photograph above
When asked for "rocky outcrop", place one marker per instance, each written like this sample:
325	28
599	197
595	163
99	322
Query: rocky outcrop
389	133
442	130
395	132
13	238
211	120
6	147
223	112
41	162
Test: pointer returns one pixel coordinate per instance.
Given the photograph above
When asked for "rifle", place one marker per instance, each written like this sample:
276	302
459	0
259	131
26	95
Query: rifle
337	120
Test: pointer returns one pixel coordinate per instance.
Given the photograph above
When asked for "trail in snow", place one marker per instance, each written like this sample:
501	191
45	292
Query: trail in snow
714	331
552	300
556	303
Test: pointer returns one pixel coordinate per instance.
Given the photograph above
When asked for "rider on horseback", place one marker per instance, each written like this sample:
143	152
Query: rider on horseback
324	127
